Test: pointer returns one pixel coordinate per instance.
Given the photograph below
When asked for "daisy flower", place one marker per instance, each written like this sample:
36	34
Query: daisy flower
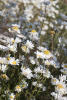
32	61
54	81
29	44
12	61
24	84
47	54
3	67
39	54
3	60
64	66
18	88
61	87
13	47
11	96
25	49
4	76
33	35
14	28
27	72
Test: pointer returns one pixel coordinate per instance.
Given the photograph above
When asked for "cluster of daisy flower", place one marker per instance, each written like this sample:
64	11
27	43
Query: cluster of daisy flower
32	63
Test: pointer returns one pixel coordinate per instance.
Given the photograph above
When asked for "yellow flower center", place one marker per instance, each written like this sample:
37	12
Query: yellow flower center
24	48
60	86
65	66
54	80
15	28
4	76
47	63
13	41
8	58
18	87
14	62
11	97
47	52
23	85
52	32
33	31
